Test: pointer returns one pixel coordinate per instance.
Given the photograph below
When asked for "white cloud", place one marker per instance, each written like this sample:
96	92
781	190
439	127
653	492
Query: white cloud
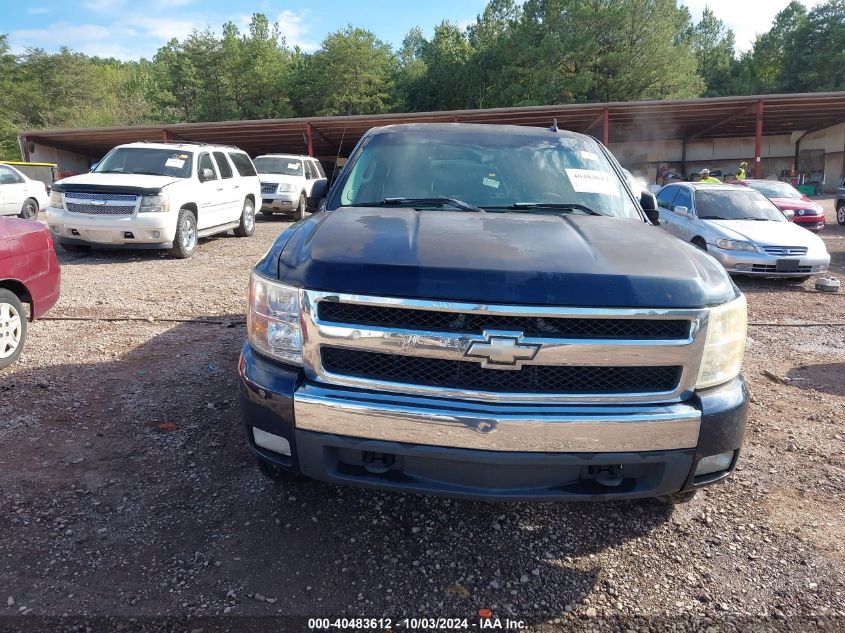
746	18
162	30
295	29
104	6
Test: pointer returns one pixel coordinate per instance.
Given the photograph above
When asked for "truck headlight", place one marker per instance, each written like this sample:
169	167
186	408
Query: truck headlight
153	204
735	245
56	199
286	187
273	322
725	343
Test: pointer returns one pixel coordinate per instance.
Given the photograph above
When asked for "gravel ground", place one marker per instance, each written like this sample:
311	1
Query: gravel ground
126	488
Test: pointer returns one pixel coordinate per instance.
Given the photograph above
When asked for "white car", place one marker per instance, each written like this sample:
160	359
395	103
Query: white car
290	183
156	195
20	195
742	229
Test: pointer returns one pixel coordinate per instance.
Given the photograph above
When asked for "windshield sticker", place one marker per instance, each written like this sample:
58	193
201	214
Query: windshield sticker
592	181
178	163
588	155
293	165
489	182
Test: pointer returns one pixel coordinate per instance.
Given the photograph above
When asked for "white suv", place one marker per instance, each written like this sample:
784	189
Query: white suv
156	195
290	183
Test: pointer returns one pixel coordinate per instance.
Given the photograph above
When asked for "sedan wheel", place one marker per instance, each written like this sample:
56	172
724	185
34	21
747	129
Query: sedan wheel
840	214
12	328
29	210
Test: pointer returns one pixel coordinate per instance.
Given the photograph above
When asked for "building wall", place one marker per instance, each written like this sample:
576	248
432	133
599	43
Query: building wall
777	154
67	161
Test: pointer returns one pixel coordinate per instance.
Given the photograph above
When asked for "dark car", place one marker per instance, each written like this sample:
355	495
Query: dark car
799	208
489	312
29	274
840	204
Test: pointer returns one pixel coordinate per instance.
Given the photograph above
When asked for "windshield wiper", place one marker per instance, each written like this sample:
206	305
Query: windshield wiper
413	202
713	217
563	206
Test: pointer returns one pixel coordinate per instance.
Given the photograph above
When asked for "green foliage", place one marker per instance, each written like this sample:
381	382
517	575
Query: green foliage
352	73
515	53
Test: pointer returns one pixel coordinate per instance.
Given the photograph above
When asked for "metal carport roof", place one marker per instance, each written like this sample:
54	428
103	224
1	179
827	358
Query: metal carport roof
719	117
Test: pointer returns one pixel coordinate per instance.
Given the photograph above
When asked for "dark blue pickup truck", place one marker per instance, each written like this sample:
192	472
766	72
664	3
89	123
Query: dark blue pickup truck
489	312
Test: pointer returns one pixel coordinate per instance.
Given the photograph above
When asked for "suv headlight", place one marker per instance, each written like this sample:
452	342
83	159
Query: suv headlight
285	186
153	204
725	344
56	199
735	245
273	322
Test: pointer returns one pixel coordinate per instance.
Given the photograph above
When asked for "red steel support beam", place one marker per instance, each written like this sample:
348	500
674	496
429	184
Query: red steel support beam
606	135
310	139
758	141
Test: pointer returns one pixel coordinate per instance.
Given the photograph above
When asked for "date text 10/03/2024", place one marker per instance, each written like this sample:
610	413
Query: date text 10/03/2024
485	621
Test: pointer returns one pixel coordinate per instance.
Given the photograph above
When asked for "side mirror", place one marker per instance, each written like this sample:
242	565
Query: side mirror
649	204
789	213
683	211
206	174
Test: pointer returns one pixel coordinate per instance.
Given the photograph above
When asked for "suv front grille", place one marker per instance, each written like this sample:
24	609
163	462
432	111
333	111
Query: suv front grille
95	209
532	326
455	374
268	187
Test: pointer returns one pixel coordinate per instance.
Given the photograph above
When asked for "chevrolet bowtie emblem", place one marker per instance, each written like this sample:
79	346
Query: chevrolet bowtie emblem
502	351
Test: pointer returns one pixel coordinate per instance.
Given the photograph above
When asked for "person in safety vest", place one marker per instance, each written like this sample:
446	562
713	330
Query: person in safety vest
740	174
707	179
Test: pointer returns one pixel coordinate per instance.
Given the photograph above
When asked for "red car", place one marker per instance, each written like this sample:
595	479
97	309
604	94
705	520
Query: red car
29	274
785	197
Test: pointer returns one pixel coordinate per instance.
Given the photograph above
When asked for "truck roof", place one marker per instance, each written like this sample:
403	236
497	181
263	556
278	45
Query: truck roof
476	128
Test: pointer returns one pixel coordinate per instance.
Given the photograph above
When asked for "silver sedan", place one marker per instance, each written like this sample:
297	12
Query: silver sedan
742	229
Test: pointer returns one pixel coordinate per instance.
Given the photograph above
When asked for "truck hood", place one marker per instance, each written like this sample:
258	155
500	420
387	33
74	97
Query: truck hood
509	258
279	178
121	182
766	233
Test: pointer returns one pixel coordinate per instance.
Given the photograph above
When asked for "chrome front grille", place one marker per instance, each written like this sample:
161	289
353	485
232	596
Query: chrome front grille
548	354
100	203
784	251
542	326
268	187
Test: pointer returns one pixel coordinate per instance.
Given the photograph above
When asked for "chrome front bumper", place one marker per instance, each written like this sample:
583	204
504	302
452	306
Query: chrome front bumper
279	201
496	427
763	264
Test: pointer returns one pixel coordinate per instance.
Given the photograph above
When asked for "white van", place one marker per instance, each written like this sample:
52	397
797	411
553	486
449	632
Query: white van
156	195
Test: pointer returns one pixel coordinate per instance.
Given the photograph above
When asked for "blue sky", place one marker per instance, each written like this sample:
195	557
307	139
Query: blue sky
129	29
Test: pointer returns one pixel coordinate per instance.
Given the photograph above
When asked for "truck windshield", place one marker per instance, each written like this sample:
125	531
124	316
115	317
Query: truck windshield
533	171
738	204
278	165
146	160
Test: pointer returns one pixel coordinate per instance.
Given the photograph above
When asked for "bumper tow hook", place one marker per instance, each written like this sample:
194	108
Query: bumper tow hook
610	476
378	463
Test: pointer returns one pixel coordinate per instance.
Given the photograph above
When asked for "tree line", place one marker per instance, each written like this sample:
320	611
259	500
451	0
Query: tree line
514	54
